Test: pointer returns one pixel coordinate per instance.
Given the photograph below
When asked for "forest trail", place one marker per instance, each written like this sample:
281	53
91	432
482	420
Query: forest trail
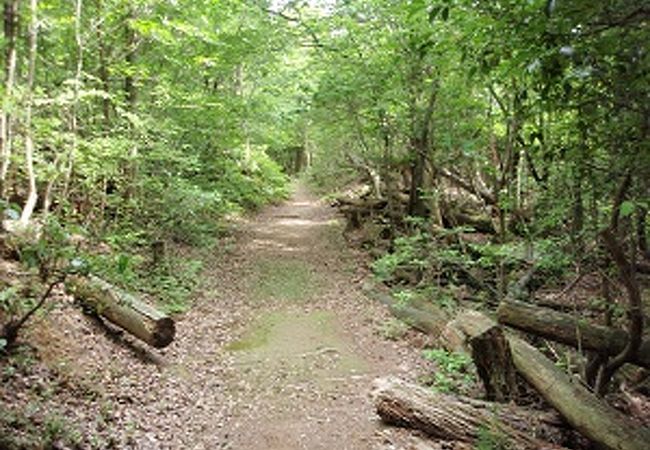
302	363
278	351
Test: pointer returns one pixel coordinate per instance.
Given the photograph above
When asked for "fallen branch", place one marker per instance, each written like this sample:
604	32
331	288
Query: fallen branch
10	330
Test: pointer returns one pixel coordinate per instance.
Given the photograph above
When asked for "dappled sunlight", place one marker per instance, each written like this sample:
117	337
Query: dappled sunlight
302	223
266	244
302	204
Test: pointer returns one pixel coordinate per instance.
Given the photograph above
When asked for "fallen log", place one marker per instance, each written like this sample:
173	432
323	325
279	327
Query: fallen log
582	409
567	329
356	211
427	319
454	218
124	310
362	203
463	419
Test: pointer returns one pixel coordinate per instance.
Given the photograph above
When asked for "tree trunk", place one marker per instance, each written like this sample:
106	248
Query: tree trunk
32	195
634	310
103	66
569	330
131	92
420	141
462	419
582	409
10	33
158	252
124	310
416	206
642	239
75	100
48	191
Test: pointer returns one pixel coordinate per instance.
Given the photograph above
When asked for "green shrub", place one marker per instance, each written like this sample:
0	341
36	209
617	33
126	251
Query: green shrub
184	212
454	370
410	252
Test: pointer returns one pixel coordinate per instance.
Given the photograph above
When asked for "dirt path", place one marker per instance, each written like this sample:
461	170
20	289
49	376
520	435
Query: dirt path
304	362
278	352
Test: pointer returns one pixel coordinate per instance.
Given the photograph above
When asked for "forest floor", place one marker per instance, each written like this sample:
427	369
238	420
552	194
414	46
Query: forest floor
278	352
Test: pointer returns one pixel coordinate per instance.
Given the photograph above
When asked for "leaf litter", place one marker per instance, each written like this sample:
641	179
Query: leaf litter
277	352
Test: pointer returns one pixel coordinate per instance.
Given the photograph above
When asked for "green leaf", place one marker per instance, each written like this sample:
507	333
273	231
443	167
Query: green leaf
122	263
627	208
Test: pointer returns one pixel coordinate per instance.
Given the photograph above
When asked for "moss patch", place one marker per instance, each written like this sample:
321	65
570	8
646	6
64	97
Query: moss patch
290	281
311	344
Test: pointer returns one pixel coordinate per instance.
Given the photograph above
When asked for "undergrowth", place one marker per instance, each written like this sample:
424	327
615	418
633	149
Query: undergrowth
454	371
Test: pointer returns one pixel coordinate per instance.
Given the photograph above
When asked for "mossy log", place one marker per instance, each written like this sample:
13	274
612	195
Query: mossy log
463	419
570	330
582	409
428	318
124	310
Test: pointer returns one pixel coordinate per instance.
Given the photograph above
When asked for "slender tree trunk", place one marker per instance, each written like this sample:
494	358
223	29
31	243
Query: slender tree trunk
131	92
103	68
10	32
103	76
131	44
420	142
416	206
32	195
642	238
48	191
627	275
74	128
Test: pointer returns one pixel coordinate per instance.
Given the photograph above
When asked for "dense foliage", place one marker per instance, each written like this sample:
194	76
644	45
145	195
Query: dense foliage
147	116
527	121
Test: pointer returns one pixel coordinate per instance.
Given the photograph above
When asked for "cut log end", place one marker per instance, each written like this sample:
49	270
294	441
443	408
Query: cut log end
164	332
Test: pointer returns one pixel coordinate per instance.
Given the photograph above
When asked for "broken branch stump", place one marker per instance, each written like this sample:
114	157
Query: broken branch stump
581	408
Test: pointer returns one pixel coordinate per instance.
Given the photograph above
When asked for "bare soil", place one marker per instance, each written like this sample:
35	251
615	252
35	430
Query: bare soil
278	352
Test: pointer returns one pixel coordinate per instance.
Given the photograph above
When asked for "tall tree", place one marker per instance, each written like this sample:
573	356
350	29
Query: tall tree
32	193
10	33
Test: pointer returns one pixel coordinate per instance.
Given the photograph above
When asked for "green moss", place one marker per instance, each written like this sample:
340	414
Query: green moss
291	281
255	337
296	339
